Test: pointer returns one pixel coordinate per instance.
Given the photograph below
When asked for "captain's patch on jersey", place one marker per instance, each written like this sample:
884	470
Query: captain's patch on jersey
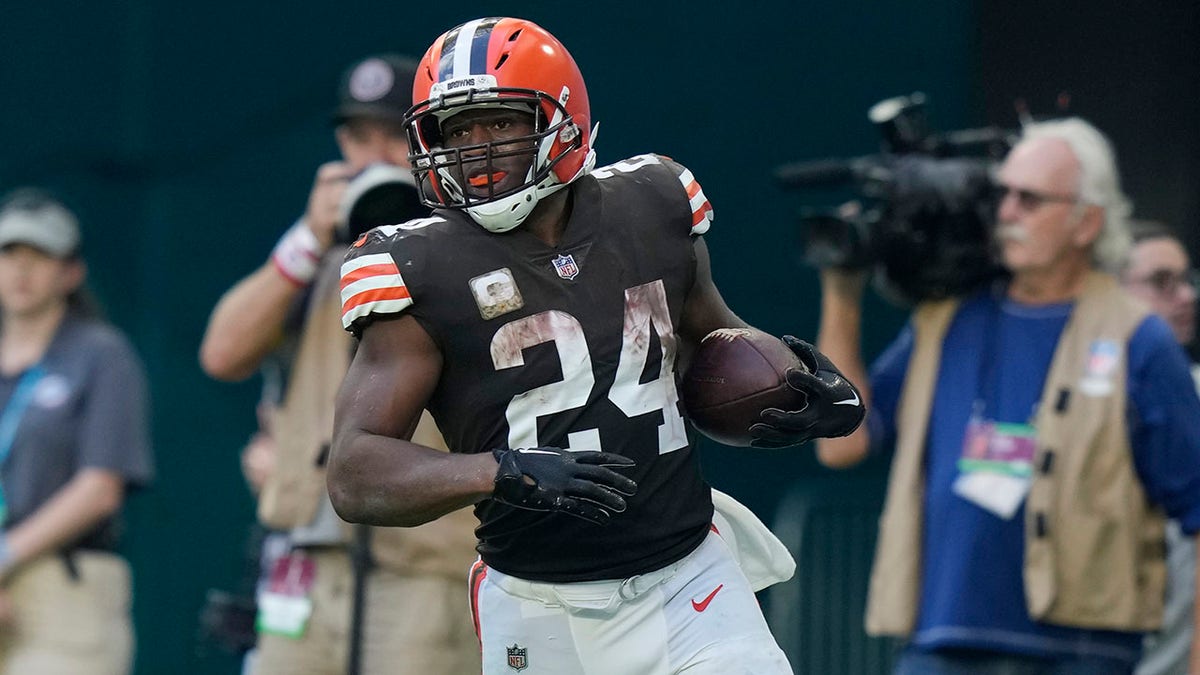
496	293
702	211
372	284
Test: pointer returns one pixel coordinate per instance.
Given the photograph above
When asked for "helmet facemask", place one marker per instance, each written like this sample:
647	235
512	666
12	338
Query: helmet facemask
444	174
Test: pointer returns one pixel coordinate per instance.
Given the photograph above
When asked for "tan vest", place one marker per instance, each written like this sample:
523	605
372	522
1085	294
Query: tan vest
303	429
1093	544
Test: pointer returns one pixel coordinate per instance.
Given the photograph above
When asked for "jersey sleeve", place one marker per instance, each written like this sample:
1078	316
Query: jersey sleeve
698	205
372	285
670	182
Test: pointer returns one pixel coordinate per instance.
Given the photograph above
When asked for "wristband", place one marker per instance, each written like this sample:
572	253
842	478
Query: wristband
297	254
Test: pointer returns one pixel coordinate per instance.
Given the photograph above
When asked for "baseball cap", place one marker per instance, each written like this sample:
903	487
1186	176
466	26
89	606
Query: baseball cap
378	87
32	218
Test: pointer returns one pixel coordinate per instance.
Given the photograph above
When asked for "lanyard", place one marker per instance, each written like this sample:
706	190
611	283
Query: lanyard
15	409
988	378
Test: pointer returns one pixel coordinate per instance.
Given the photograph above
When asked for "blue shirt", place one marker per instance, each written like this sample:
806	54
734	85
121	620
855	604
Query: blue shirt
995	359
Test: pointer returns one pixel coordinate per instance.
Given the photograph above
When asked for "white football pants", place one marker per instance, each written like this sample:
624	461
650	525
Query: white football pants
697	616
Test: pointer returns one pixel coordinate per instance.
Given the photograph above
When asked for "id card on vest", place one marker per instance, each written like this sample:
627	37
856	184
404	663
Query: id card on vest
996	468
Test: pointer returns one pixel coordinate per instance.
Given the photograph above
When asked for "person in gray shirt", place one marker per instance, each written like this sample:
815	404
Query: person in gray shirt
73	441
1160	273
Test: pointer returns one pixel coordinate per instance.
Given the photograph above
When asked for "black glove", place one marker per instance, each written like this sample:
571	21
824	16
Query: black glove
580	484
832	405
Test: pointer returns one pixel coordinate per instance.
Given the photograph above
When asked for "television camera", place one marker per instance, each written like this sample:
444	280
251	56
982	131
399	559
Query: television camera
925	208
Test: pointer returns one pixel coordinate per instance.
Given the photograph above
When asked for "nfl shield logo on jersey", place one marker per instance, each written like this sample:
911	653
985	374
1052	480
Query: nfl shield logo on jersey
566	267
516	657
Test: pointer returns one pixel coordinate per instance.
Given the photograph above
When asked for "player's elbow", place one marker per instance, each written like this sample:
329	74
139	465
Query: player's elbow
346	494
347	501
357	503
354	488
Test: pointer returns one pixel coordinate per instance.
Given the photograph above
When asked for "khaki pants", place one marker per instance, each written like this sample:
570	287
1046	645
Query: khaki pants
412	625
67	626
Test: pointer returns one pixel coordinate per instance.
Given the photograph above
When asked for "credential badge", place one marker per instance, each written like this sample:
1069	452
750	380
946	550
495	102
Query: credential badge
566	267
516	657
496	293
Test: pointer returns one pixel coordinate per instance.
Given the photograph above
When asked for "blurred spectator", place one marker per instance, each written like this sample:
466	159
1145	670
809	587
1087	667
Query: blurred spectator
311	620
73	439
1159	273
1040	426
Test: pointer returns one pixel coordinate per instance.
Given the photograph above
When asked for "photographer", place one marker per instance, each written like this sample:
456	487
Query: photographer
383	600
1035	421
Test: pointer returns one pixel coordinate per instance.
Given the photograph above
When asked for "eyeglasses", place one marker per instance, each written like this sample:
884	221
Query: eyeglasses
1031	200
1167	283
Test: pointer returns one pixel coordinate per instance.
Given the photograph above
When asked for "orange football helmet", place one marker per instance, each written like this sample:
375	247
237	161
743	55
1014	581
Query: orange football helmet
499	62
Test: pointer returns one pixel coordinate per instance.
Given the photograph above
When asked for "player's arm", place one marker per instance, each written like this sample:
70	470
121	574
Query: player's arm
378	477
375	476
247	323
705	310
839	337
833	407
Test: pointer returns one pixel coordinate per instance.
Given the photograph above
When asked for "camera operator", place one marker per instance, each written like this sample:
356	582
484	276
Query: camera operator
1041	426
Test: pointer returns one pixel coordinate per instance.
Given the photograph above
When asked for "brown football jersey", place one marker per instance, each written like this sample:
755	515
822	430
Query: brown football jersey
572	346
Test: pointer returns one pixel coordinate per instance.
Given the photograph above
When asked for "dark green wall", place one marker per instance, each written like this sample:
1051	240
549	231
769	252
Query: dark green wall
187	135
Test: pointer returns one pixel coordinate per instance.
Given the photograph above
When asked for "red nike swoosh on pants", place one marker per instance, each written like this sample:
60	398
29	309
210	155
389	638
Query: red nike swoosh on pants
703	604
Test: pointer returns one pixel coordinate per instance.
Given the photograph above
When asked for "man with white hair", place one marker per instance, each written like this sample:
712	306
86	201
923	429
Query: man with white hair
1042	428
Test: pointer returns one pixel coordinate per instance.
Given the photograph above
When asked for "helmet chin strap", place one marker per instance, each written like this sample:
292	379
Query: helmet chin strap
505	214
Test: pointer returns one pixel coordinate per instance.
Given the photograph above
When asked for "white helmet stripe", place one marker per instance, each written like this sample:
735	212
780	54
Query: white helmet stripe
462	49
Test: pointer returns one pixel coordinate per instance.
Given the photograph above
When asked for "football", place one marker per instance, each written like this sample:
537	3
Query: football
734	375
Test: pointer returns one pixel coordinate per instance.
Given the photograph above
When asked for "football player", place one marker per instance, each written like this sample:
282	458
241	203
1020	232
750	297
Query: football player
542	314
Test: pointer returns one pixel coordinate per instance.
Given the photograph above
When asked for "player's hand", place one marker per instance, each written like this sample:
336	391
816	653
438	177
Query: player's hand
832	406
325	200
581	484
